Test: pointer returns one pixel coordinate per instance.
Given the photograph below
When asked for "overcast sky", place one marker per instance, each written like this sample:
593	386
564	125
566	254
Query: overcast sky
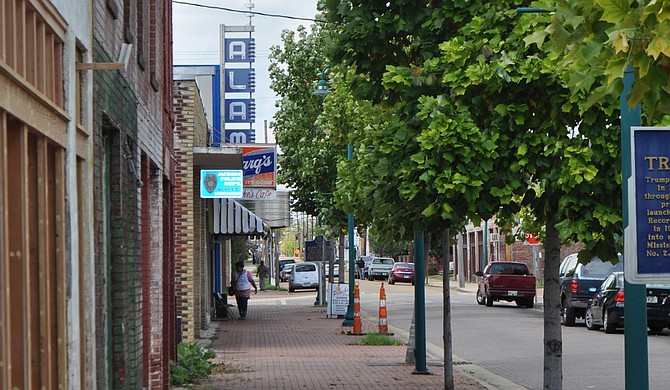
196	39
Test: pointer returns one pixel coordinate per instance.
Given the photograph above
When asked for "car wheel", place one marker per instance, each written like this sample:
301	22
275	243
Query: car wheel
610	326
391	281
489	300
290	288
588	319
530	303
481	298
568	315
371	278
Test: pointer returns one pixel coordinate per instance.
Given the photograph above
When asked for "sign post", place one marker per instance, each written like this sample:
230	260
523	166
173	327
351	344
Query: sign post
636	350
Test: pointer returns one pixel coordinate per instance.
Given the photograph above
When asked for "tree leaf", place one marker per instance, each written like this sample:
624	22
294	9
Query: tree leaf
614	10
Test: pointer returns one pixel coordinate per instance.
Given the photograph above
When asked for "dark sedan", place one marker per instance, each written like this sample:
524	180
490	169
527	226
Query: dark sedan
605	309
402	272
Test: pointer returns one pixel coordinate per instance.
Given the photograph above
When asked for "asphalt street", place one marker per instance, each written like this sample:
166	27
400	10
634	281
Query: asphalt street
506	340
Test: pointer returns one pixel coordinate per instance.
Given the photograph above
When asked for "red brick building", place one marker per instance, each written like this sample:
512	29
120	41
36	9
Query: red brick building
133	194
472	242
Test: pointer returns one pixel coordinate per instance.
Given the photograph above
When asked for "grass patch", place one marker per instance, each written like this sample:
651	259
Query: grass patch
378	339
271	287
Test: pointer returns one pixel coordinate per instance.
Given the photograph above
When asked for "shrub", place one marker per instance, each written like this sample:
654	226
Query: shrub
192	364
434	265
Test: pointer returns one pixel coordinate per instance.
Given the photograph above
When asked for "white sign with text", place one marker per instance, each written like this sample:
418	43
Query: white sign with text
259	194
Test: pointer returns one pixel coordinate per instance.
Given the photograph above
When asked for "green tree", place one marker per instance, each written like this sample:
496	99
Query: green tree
598	39
477	125
309	154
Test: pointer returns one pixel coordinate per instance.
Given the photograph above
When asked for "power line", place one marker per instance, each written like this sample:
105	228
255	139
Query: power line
248	12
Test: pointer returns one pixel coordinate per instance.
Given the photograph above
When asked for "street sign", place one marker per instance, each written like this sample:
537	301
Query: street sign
223	183
339	299
531	239
314	251
647	236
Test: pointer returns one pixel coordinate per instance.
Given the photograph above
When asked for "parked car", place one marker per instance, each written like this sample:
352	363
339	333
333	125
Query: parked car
401	272
367	260
506	281
304	275
605	309
286	272
578	284
380	267
283	262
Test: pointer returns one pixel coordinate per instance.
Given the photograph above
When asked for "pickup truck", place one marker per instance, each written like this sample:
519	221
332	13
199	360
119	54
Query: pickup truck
380	267
506	281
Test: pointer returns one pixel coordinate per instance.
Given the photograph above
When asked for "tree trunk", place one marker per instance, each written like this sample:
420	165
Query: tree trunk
426	253
446	324
461	263
553	342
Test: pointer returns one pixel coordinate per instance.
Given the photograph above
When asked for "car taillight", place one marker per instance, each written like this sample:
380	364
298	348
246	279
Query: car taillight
619	297
574	286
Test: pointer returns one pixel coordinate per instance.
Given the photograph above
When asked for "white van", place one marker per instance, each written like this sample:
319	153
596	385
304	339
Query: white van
304	275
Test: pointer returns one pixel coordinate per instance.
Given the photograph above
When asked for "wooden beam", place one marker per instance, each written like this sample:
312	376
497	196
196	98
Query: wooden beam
101	66
4	253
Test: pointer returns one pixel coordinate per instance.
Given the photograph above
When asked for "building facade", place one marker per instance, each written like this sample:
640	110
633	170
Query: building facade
133	191
192	266
47	320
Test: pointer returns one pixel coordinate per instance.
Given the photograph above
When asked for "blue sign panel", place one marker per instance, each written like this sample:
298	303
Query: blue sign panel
227	183
240	111
647	238
240	50
314	251
240	80
241	136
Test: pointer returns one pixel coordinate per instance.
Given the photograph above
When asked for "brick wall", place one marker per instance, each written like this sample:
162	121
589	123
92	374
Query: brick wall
133	236
158	374
191	277
184	195
499	251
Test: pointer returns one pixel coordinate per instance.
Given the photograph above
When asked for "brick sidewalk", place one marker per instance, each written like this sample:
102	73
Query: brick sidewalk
288	343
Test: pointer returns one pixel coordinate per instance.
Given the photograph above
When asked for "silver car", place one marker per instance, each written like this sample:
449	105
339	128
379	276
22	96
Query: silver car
286	272
304	275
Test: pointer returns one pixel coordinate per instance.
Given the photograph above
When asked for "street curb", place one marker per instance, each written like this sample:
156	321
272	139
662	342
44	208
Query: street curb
479	374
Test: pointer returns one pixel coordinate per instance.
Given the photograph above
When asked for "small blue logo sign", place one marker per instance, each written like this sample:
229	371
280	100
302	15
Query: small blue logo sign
226	183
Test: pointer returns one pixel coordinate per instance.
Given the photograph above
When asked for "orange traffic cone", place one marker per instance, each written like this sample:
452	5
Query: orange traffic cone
383	326
358	327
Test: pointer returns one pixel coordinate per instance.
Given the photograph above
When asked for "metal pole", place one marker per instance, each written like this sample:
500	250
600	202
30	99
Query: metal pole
322	286
419	305
349	317
446	315
486	244
635	310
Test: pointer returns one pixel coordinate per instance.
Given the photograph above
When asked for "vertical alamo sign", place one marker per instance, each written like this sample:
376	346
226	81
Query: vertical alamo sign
647	257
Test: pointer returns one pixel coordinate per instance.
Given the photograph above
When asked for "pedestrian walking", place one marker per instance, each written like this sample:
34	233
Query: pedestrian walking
262	274
242	280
